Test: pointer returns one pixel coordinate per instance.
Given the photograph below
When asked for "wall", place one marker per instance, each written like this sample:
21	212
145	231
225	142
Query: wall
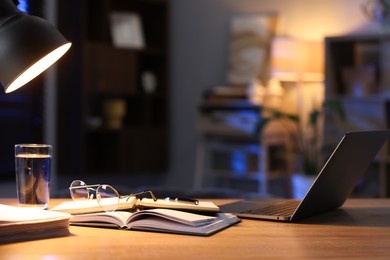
200	31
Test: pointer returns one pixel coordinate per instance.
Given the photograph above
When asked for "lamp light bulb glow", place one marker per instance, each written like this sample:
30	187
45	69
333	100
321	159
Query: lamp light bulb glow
38	67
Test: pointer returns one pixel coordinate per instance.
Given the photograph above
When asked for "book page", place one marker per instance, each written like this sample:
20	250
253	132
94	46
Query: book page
182	217
160	220
164	225
21	224
12	215
118	218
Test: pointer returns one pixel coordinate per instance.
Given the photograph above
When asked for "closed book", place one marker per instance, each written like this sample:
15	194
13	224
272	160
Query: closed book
133	203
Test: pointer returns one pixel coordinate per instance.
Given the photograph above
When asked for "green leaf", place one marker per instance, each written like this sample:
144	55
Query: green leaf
337	107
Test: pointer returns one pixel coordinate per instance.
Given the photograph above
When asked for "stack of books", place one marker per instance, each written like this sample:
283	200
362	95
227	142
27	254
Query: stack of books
21	224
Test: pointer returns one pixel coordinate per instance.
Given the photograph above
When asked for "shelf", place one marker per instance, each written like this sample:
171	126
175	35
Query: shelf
96	72
358	65
357	71
109	70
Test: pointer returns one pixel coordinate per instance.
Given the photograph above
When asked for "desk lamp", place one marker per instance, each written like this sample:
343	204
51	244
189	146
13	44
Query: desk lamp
28	46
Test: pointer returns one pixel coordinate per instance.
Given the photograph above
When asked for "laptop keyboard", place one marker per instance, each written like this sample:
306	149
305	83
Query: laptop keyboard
284	208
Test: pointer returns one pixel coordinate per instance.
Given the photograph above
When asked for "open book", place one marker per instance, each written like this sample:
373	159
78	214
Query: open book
134	203
159	220
20	224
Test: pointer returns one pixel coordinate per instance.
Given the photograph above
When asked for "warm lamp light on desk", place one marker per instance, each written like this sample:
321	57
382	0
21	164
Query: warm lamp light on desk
28	46
300	62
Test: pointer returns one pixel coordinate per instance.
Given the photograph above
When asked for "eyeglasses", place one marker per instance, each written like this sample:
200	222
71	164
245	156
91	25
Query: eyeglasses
107	197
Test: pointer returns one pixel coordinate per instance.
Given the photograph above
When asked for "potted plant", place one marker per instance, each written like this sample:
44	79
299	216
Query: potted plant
306	136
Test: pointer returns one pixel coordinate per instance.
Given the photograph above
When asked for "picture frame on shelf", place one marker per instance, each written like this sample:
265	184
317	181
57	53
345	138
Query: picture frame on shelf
249	50
126	30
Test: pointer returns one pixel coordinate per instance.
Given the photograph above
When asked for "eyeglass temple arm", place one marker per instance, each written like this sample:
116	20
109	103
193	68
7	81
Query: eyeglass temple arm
84	186
143	192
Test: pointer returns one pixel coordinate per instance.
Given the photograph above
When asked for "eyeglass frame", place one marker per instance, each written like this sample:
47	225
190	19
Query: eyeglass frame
90	187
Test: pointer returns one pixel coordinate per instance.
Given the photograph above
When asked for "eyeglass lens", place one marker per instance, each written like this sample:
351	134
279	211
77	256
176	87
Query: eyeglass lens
107	197
79	192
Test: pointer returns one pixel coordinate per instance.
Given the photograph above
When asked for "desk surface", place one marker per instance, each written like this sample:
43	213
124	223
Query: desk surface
361	228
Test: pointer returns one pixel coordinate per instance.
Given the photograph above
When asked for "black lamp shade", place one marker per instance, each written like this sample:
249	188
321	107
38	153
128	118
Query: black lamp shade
25	42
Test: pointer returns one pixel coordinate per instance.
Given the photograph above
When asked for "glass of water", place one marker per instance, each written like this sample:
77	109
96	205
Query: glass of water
33	166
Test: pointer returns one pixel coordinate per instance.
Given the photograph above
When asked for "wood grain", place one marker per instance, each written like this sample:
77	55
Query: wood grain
361	229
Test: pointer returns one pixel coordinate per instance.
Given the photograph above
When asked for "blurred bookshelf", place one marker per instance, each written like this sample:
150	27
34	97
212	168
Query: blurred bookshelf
98	72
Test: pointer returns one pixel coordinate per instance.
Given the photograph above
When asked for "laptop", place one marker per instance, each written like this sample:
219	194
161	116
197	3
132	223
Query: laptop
333	185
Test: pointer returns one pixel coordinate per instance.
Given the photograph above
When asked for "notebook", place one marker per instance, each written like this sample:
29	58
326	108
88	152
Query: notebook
333	185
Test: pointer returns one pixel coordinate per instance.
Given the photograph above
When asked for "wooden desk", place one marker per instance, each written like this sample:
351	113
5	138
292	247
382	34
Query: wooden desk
361	229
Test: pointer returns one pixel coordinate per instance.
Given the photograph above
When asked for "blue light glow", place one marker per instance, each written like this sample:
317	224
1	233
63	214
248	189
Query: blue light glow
23	6
238	163
243	120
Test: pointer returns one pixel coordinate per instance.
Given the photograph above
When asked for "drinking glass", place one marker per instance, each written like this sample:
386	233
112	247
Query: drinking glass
33	166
